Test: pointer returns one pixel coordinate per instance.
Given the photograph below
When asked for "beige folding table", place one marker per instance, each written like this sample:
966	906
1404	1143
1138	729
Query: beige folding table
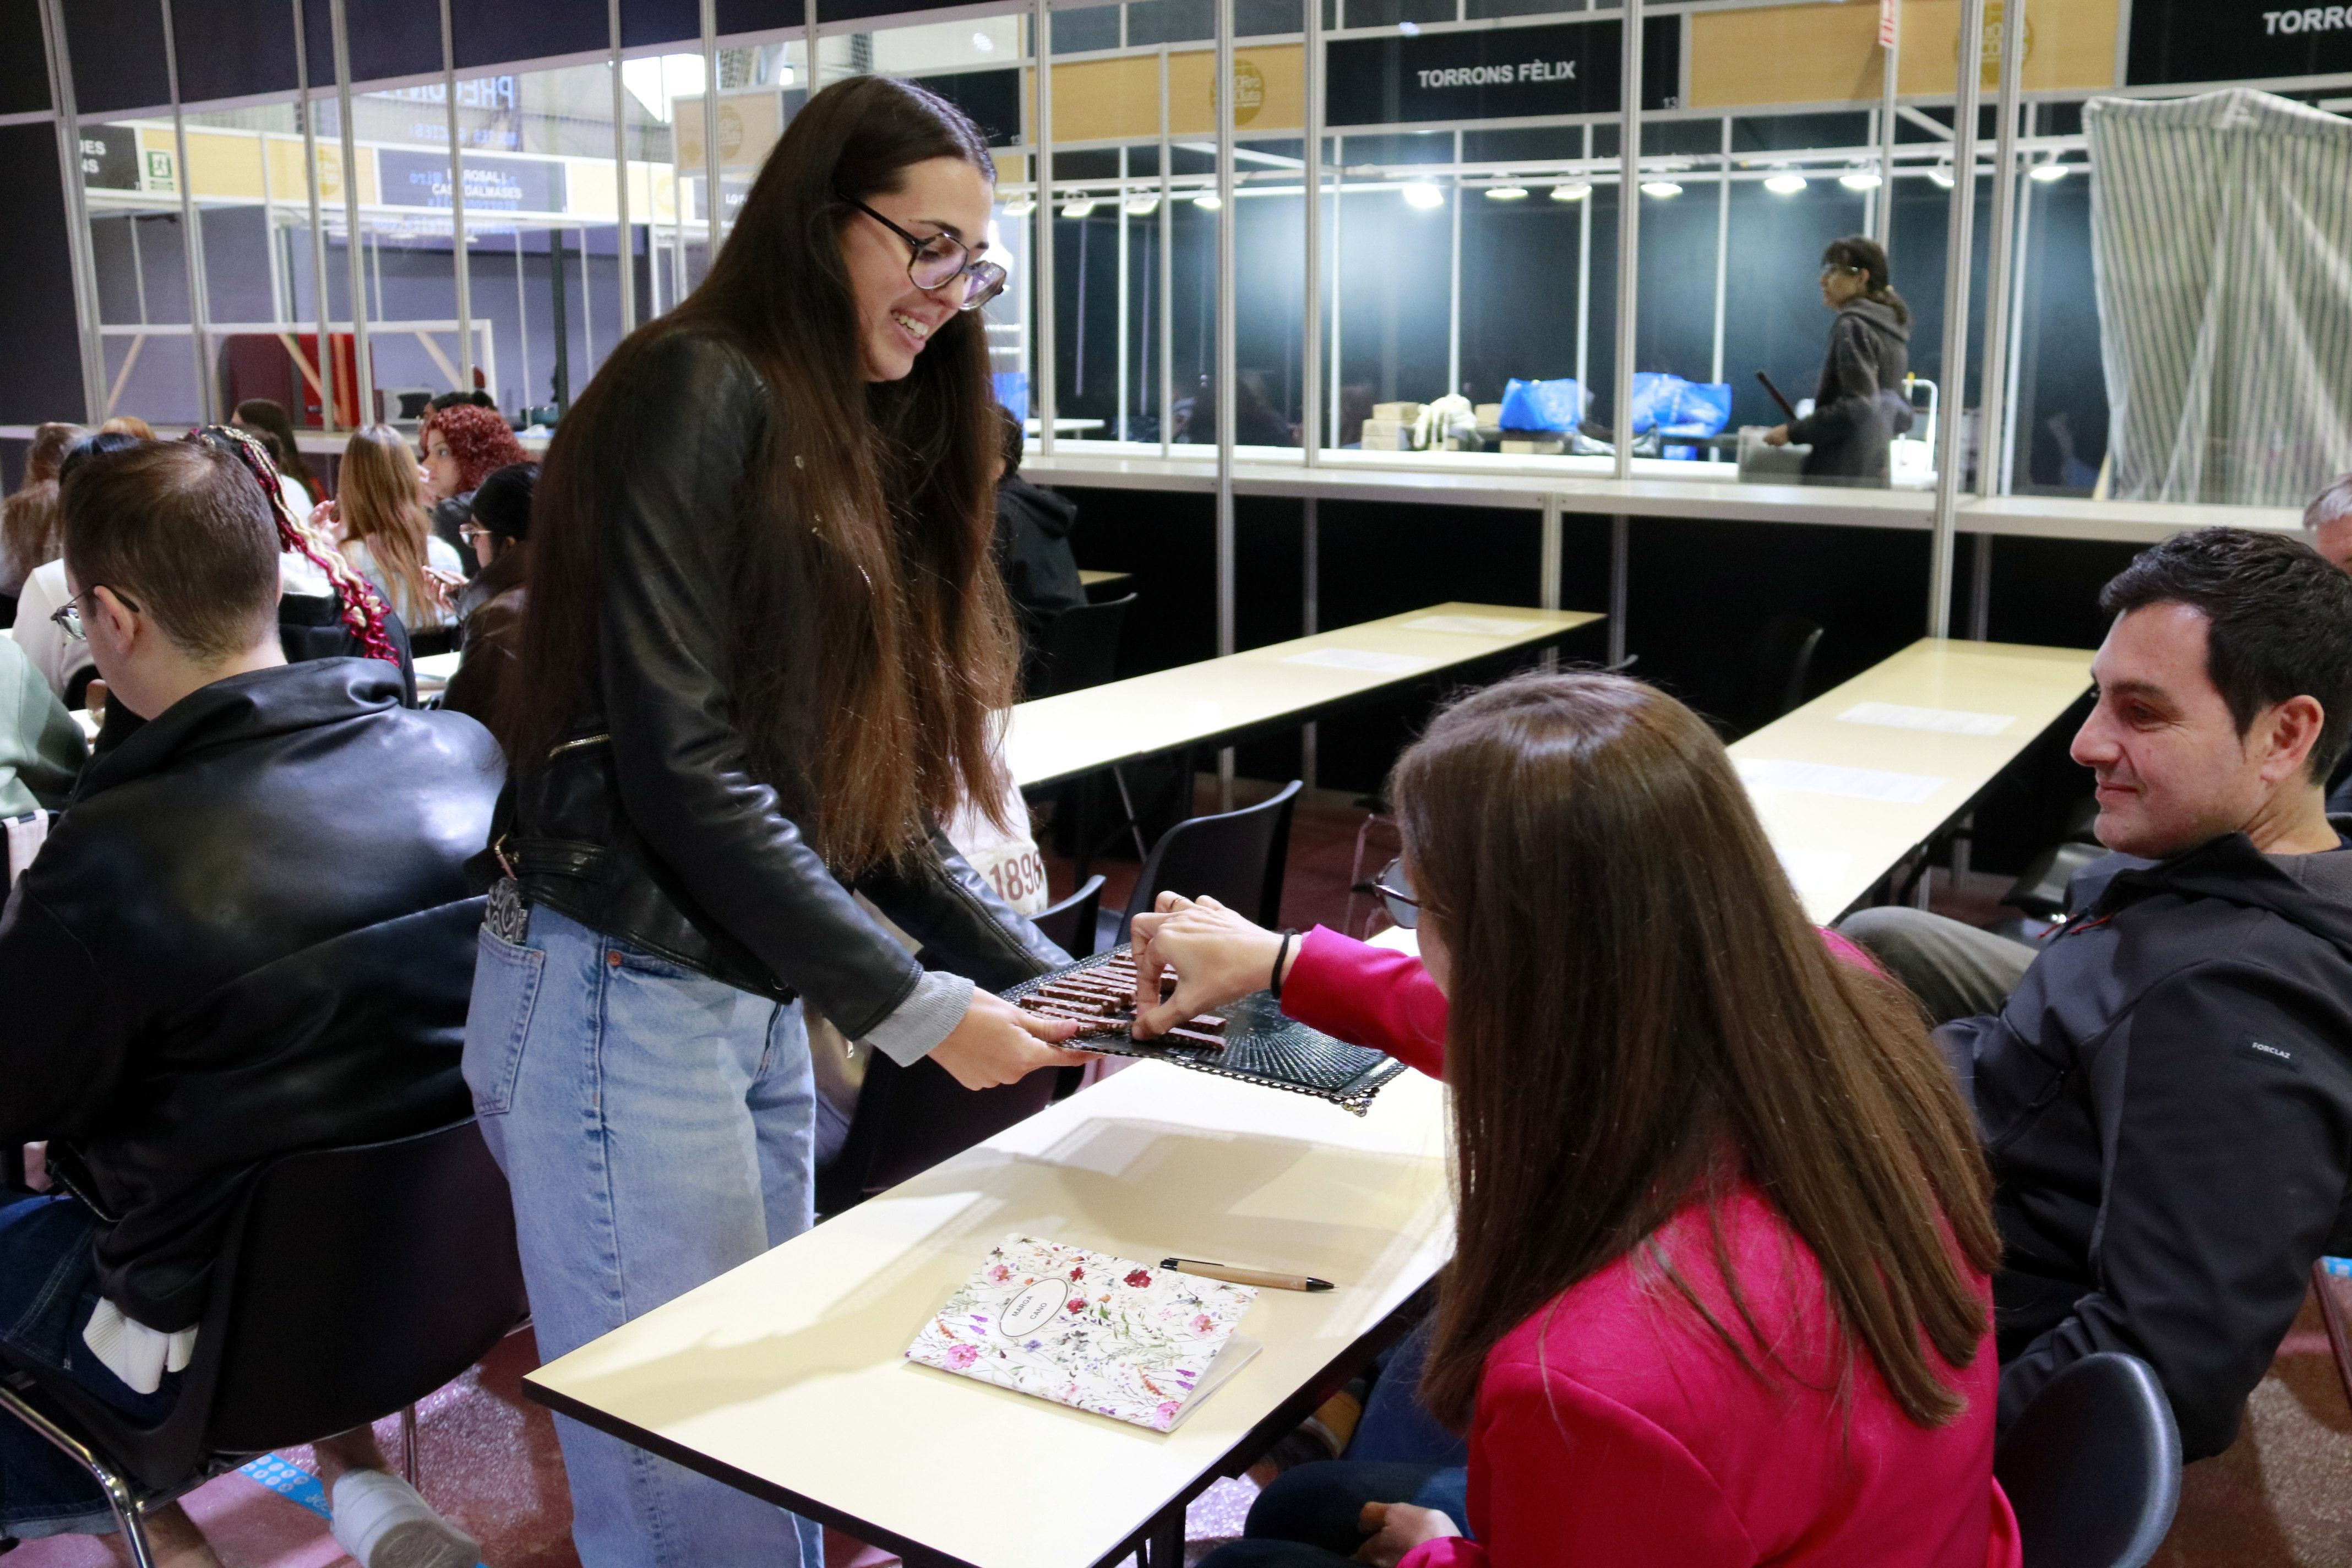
1220	701
786	1377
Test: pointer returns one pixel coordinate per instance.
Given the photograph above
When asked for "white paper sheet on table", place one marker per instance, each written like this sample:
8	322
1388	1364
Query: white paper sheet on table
1814	871
1943	720
1474	625
1828	778
1364	660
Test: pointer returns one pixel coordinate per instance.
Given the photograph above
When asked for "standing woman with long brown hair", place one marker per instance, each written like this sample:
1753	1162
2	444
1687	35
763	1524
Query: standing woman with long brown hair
764	642
1718	1295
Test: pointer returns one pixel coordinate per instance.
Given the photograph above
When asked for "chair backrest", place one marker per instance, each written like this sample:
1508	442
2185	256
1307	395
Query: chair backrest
355	1281
911	1118
1772	682
1070	924
2092	1466
1079	647
1237	858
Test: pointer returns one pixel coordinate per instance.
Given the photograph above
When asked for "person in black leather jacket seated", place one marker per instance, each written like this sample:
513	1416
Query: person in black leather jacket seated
2165	1089
765	642
248	934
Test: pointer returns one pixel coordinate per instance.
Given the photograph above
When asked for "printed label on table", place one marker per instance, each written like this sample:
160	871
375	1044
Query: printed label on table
1364	660
1943	720
1828	778
1474	625
1814	871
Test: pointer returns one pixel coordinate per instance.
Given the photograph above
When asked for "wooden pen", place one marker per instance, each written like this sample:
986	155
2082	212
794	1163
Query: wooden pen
1233	1275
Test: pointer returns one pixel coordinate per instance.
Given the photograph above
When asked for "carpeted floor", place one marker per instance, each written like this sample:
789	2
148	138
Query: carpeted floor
2281	1498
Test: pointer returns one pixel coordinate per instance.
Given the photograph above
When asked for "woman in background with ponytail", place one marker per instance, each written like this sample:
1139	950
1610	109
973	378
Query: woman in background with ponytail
1860	405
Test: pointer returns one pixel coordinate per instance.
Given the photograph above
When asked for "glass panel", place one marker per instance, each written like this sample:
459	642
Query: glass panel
253	211
130	171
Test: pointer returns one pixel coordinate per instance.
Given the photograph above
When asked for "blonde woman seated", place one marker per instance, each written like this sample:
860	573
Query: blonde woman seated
378	515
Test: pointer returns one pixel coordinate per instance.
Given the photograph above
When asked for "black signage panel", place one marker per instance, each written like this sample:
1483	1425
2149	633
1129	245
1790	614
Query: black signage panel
1502	73
2235	40
110	157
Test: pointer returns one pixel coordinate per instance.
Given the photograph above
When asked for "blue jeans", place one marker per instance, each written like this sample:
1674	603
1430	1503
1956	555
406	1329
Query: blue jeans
656	1127
1397	1428
48	1287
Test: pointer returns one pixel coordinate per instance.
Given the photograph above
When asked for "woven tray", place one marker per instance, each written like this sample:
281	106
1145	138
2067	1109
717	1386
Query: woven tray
1262	1047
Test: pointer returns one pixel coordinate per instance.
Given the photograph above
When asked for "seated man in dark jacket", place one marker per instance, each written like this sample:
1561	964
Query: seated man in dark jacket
248	934
2165	1089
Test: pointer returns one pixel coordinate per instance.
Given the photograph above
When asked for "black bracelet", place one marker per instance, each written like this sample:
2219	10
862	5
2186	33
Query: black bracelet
1281	955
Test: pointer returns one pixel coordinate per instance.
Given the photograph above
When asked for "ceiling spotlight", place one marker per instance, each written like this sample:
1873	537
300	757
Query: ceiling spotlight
1661	188
1020	207
1207	201
982	42
1573	191
1942	175
1142	206
1506	193
2047	173
1787	182
1079	208
1424	197
1860	180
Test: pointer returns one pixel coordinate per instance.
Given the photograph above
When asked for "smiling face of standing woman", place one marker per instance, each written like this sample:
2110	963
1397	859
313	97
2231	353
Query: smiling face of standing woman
895	319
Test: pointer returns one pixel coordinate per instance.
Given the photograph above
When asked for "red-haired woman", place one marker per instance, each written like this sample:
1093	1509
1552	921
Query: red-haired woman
1720	1288
463	445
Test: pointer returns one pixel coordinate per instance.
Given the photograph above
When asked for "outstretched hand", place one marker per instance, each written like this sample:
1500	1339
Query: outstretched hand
1218	957
997	1043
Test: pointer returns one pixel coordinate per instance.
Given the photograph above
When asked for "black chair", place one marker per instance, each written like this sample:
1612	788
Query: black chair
354	1282
1079	647
1237	858
2093	1466
1070	924
911	1118
1773	675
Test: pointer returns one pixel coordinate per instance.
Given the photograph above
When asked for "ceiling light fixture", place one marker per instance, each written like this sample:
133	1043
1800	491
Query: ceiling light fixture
1574	191
1424	197
1661	188
1942	176
1207	201
1142	206
2047	172
1861	180
1506	193
1079	208
1787	182
1020	206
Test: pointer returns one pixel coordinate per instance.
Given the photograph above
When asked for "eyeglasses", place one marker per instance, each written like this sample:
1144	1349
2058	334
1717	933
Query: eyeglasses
1839	269
66	617
471	531
941	259
1394	890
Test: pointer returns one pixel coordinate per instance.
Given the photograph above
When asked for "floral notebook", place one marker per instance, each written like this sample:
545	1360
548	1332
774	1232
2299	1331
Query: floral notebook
1131	1341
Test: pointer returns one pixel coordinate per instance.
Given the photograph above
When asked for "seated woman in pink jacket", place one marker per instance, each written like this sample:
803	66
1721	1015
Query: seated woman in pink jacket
1719	1288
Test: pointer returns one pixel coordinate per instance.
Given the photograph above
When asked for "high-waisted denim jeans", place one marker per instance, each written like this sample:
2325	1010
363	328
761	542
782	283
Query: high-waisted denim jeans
657	1129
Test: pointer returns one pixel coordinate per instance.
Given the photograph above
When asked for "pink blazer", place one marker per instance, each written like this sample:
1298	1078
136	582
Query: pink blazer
1614	1427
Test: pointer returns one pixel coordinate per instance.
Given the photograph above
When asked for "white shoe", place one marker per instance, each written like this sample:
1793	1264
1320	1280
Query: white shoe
381	1521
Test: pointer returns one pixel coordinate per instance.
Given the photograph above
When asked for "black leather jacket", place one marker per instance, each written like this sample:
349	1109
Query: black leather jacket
248	934
648	823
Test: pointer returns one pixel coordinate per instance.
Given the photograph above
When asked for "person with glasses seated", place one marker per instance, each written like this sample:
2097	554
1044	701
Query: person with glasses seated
250	933
1720	1292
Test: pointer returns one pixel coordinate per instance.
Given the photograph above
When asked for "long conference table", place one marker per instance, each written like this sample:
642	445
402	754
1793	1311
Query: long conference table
1220	701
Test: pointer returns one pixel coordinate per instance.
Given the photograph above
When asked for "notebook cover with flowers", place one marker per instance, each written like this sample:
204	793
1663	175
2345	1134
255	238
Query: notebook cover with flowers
1127	1340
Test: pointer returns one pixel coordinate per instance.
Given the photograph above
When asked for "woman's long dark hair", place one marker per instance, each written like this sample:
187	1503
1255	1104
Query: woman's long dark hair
268	413
1865	255
870	634
1641	1015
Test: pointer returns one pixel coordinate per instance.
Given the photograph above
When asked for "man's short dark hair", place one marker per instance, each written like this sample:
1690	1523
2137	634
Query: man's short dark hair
2281	622
182	531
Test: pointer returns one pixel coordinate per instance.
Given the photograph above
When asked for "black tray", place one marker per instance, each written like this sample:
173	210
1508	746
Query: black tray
1262	1047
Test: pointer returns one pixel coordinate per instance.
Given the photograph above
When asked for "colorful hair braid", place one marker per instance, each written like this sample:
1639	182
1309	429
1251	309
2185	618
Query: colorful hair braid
363	606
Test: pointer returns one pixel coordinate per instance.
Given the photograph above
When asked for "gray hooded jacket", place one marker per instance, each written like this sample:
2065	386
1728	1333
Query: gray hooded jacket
1860	405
